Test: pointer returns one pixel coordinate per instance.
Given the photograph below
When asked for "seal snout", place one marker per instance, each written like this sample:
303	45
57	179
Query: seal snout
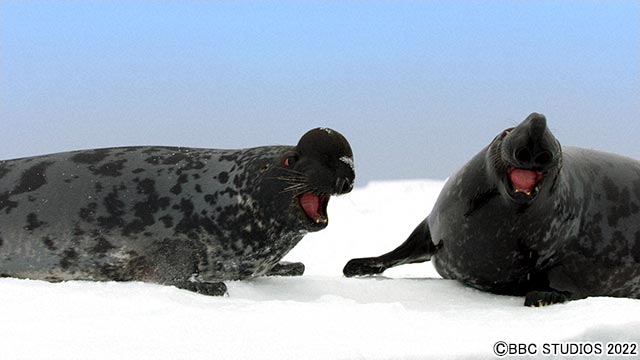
343	185
537	123
530	153
531	145
532	157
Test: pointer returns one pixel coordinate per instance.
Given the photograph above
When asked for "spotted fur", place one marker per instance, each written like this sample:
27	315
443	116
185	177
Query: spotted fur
178	216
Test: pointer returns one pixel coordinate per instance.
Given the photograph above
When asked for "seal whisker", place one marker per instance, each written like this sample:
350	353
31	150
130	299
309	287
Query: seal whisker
298	177
296	187
290	178
292	171
293	182
296	194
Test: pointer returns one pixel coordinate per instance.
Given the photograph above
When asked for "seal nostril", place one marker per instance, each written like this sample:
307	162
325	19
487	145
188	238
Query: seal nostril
523	155
340	184
348	186
343	185
543	158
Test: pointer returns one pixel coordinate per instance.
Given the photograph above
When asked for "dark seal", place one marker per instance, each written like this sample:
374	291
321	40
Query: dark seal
527	217
186	217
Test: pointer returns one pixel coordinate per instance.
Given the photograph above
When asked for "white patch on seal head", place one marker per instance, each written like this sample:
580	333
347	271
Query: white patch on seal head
349	161
327	130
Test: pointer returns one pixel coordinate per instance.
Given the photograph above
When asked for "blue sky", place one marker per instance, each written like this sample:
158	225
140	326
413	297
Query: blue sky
417	87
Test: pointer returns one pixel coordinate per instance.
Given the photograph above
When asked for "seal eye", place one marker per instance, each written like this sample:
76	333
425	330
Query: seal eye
289	161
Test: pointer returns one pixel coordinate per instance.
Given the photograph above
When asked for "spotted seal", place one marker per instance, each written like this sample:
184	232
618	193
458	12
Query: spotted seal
528	217
186	217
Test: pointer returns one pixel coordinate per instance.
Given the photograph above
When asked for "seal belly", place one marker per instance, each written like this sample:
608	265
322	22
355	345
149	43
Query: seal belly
469	221
462	255
604	258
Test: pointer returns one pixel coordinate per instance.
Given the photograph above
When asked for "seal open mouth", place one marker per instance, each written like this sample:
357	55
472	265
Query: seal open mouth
525	181
315	207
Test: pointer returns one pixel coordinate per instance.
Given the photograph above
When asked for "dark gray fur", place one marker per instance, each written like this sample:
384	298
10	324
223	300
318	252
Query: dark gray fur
177	216
578	236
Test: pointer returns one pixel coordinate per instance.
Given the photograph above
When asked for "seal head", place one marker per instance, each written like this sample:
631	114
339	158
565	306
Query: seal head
525	160
320	165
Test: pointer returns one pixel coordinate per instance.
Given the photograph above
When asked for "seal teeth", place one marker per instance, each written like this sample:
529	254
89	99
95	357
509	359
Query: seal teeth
525	181
526	192
315	207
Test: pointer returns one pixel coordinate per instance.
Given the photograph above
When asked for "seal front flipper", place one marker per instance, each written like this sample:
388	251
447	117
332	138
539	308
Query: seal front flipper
417	248
284	268
204	288
544	298
560	287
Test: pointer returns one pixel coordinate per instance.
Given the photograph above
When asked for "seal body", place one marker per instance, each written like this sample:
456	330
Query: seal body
178	216
527	217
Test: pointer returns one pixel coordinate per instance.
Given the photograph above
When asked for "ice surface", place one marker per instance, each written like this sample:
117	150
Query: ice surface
409	313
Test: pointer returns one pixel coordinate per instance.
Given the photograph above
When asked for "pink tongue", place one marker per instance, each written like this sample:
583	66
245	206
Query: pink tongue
524	180
310	203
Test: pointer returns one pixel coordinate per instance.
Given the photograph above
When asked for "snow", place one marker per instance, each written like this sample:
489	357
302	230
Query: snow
409	313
